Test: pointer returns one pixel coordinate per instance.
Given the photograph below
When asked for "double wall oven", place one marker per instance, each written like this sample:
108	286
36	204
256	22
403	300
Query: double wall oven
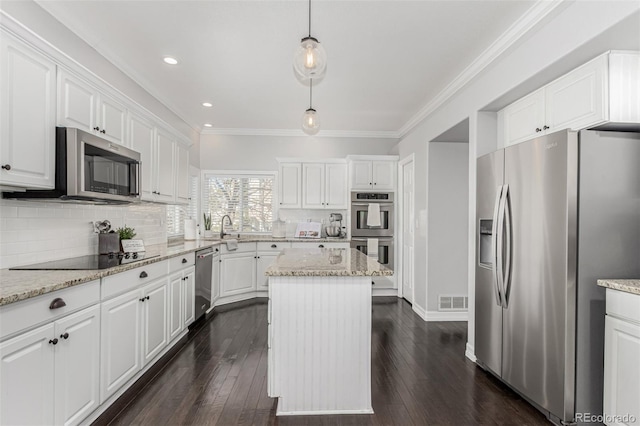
362	233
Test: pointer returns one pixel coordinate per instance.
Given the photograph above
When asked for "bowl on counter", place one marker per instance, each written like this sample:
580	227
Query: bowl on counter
333	231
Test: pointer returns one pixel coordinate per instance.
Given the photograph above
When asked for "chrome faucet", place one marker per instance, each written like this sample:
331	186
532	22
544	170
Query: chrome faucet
222	233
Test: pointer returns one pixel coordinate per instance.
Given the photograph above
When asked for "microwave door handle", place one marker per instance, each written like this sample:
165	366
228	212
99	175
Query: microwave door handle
138	166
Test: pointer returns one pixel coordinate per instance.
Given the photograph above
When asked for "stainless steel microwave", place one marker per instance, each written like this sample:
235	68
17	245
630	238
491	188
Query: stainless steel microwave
90	169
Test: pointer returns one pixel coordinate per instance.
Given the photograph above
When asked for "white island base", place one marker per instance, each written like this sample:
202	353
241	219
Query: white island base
320	344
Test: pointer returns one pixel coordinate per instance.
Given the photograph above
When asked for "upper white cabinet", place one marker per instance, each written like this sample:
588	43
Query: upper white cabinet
324	186
142	136
289	184
182	174
373	174
165	167
605	89
27	116
82	106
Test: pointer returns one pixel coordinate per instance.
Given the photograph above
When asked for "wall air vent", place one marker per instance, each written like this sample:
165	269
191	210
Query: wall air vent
450	302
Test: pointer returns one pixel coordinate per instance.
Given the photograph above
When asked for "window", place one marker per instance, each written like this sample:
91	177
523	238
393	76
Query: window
246	198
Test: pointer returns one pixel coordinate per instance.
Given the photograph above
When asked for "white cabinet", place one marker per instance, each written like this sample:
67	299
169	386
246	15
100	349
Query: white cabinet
605	89
189	287
182	174
215	277
27	379
266	254
77	366
83	106
120	359
621	355
157	148
155	300
289	185
318	244
238	270
50	374
324	186
373	174
181	301
27	116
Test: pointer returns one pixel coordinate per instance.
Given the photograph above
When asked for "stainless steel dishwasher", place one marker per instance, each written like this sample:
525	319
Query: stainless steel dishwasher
204	265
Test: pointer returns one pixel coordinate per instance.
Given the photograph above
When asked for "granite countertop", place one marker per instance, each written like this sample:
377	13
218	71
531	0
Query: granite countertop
16	285
325	263
628	286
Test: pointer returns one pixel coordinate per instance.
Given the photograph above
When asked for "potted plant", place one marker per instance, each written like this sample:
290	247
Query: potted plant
208	233
125	233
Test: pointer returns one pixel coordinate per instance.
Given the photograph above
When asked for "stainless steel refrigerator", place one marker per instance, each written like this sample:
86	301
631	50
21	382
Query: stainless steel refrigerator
554	214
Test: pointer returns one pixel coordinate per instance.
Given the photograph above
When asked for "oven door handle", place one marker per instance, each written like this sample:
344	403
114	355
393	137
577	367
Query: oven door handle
386	203
380	239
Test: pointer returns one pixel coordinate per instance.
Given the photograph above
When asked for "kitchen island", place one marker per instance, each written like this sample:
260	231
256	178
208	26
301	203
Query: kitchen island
319	356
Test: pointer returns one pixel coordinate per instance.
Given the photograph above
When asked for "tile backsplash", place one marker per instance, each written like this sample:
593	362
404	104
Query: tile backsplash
32	232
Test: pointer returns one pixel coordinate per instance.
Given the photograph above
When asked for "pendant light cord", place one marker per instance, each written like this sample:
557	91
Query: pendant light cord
309	18
310	93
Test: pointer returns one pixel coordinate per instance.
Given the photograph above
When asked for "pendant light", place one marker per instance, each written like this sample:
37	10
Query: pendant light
310	120
310	59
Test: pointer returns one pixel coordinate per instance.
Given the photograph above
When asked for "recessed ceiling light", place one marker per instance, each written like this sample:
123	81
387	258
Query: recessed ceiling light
171	61
207	104
208	125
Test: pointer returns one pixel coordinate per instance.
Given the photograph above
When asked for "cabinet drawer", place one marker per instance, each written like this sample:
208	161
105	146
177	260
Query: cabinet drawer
623	305
242	248
181	262
273	246
125	281
320	244
25	314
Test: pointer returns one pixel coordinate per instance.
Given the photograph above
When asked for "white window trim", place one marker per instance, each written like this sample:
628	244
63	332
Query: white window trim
245	173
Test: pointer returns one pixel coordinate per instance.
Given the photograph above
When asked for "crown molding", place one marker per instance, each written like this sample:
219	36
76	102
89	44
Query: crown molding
526	23
300	133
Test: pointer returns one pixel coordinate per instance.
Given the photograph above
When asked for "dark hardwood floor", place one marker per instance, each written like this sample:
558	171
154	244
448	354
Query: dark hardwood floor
420	377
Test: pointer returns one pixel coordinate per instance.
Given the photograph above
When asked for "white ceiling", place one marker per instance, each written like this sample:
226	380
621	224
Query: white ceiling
386	59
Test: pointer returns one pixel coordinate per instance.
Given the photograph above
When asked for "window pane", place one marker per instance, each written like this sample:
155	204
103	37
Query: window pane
246	199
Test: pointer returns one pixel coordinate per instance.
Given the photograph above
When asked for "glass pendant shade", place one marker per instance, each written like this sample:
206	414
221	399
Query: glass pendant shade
310	60
310	122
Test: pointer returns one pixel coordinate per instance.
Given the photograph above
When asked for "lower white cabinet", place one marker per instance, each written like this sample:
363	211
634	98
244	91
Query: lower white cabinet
215	277
621	355
181	301
237	273
263	261
50	374
134	331
189	288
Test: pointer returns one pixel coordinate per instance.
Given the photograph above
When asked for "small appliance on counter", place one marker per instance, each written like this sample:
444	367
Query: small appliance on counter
334	229
279	229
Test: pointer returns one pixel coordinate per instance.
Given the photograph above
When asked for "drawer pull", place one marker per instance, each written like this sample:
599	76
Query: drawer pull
64	336
274	246
57	303
184	260
321	246
143	274
53	341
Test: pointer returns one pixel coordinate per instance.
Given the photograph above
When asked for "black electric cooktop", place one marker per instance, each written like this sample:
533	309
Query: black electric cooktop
91	262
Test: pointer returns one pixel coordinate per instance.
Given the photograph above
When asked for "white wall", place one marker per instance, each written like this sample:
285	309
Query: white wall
33	232
226	152
578	32
448	185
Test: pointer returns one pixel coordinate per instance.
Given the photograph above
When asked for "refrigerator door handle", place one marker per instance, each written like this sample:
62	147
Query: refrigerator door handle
496	248
506	280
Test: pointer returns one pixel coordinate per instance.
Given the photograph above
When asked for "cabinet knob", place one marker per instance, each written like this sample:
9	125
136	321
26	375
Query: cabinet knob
57	303
142	299
545	127
538	129
103	131
147	297
96	128
64	336
374	183
184	260
217	249
373	283
370	183
274	246
6	166
53	341
143	274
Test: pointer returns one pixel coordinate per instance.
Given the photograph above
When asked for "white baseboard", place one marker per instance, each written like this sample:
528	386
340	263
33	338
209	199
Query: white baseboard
470	352
421	312
446	316
384	292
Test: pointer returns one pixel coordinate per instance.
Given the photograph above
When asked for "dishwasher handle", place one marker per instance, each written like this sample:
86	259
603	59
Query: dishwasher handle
202	256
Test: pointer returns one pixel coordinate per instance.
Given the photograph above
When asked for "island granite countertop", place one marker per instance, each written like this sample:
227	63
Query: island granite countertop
627	286
17	285
322	262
